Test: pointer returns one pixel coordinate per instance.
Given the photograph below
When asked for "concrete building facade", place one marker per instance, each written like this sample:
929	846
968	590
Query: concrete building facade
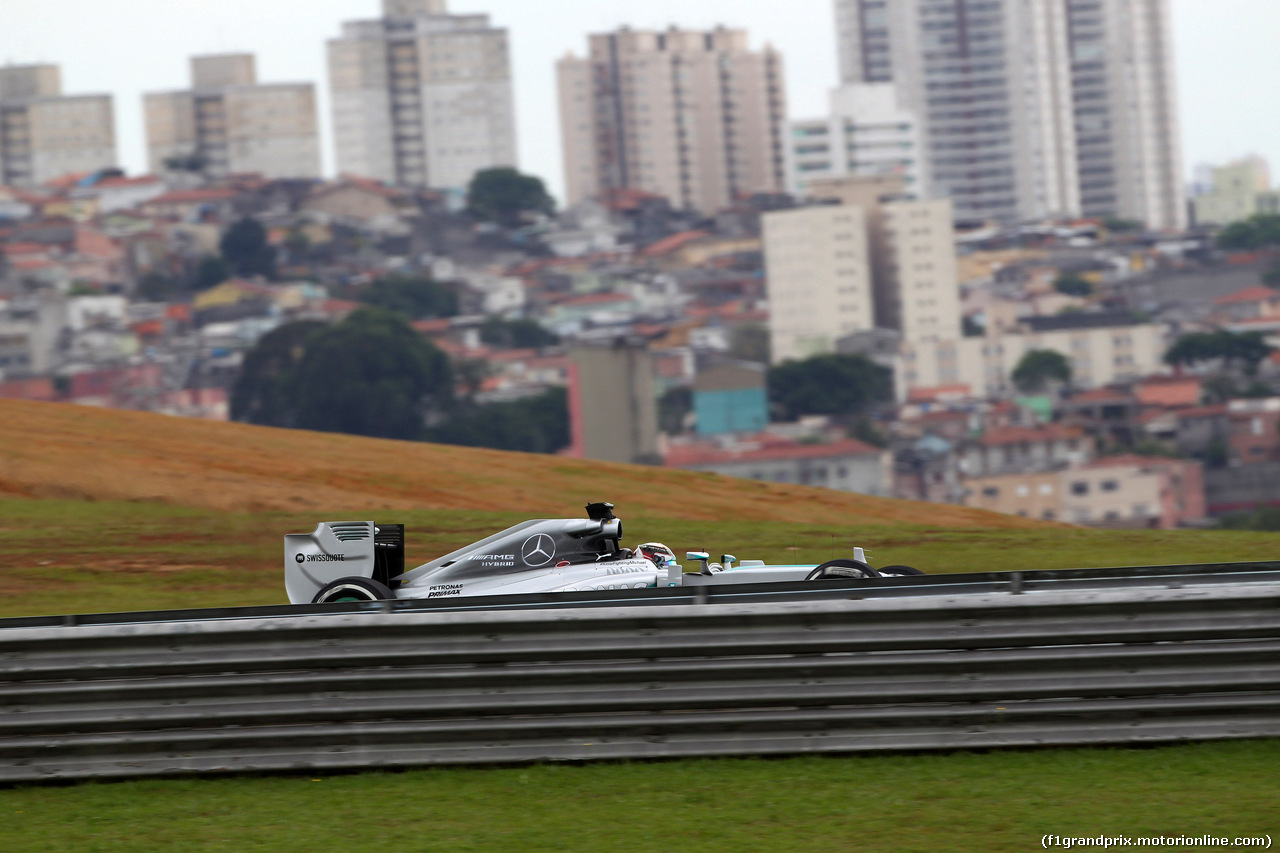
1031	108
228	122
1240	190
45	134
867	133
422	97
694	116
871	260
1098	356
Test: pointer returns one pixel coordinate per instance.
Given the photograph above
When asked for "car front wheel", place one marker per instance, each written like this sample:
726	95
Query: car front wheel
842	569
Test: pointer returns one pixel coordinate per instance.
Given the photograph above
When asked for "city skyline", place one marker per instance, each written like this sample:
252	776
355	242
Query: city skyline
1223	57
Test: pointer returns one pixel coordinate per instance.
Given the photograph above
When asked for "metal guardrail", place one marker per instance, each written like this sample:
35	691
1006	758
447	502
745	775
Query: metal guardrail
344	689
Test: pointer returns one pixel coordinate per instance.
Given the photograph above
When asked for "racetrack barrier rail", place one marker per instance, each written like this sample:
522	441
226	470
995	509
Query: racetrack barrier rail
337	689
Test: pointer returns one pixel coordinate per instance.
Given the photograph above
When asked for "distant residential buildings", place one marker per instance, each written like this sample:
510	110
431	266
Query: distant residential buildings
228	122
1031	110
694	116
45	134
1237	191
421	97
1117	491
1101	349
875	259
846	465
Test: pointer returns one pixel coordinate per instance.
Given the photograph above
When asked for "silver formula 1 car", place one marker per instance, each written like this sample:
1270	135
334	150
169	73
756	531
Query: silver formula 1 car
361	561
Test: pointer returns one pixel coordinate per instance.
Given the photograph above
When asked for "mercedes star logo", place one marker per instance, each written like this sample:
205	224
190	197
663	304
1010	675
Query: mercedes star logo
538	550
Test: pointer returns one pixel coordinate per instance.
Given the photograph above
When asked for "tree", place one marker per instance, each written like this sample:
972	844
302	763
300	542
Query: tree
534	425
1040	367
416	297
521	333
265	392
370	375
828	385
1245	348
1115	223
1073	284
211	271
504	195
155	287
245	248
1256	232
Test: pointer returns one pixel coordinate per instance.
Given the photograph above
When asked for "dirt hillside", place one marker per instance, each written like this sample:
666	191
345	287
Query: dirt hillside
51	450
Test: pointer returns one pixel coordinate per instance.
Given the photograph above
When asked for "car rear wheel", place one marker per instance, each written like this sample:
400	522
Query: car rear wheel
900	571
842	569
353	589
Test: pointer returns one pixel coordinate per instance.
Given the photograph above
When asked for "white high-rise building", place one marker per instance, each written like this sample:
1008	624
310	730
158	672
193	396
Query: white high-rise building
695	116
868	258
422	97
1031	108
229	122
45	134
867	133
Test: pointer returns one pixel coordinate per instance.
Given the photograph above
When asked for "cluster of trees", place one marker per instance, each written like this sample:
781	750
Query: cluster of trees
1246	349
414	297
369	375
1260	231
373	375
1073	284
1039	369
505	196
828	385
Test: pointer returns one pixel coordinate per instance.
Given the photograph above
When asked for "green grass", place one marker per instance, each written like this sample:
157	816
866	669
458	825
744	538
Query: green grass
87	557
965	801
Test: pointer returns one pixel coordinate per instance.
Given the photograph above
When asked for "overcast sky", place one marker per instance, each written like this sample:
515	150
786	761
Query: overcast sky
1228	59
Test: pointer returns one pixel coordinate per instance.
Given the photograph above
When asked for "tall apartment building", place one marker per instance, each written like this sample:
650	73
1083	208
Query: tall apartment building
868	132
694	116
1031	108
422	97
44	133
869	258
233	123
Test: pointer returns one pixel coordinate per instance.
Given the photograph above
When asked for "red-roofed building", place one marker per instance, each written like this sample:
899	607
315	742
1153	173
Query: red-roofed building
1175	392
356	199
847	465
192	205
667	245
1250	302
1116	492
1019	449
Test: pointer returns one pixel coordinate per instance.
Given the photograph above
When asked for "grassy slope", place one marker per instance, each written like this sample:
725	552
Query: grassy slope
138	511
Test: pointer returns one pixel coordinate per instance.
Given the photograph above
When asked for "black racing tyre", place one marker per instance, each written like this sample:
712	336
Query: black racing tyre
900	572
353	589
842	569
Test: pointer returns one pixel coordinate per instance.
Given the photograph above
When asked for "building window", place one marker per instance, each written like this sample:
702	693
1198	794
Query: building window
1046	488
1080	488
1110	486
991	492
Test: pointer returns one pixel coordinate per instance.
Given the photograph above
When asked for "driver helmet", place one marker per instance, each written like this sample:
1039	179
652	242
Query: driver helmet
659	554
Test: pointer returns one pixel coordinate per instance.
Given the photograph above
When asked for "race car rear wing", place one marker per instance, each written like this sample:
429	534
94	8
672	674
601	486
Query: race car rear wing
342	549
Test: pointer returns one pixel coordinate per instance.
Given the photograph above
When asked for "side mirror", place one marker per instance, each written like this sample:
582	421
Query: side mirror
699	557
